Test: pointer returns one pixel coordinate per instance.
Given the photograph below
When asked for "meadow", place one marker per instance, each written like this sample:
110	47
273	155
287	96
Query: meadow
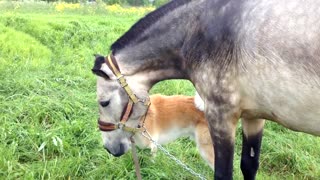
48	109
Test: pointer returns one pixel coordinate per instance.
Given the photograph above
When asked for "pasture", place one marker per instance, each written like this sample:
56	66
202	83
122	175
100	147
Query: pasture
48	109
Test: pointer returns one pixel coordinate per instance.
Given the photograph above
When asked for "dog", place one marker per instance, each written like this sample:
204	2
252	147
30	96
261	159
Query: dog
171	117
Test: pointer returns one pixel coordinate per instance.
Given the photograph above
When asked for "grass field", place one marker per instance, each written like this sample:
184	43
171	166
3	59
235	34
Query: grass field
48	107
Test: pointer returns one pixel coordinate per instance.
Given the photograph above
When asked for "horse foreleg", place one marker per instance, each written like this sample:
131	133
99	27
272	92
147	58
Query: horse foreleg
222	125
252	131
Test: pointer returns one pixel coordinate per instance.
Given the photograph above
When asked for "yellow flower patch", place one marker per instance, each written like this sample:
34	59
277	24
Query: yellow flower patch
116	8
62	6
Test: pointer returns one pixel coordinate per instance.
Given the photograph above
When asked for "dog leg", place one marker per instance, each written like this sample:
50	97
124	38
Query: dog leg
154	150
204	143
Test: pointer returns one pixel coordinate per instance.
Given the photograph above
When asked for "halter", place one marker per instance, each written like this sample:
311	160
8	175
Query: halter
133	99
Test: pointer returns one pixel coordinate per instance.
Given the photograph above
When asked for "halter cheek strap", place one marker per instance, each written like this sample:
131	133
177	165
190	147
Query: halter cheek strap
116	71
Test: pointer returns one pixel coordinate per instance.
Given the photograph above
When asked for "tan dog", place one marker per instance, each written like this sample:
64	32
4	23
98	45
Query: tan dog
171	117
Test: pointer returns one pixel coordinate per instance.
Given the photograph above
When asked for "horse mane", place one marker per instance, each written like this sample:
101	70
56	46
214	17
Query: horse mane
144	23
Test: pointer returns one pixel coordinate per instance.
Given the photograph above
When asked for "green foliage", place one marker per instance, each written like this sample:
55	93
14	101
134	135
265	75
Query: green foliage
159	3
48	111
115	1
123	2
156	3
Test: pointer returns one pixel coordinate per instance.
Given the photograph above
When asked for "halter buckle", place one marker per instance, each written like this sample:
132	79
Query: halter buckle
145	102
122	81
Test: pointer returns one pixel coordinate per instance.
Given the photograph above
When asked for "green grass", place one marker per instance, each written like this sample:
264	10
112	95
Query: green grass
48	107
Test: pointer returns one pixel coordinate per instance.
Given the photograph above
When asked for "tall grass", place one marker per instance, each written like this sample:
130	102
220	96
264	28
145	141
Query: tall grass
48	105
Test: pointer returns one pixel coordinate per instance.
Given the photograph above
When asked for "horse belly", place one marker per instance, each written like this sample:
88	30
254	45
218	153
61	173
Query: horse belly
284	98
297	116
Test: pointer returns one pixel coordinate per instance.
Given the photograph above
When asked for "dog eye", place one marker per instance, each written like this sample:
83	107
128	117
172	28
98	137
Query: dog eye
104	103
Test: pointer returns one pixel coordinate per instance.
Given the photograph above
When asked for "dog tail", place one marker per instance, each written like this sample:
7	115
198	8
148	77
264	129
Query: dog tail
198	102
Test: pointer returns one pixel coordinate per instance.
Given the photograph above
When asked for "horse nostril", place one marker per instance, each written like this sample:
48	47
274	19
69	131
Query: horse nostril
120	152
117	152
104	103
122	149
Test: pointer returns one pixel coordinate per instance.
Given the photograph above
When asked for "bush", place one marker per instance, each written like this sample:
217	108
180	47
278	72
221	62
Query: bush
159	3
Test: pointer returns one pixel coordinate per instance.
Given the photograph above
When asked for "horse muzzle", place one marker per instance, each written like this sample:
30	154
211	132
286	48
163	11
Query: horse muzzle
116	151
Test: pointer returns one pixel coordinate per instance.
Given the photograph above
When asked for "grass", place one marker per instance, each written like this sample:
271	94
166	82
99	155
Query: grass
48	107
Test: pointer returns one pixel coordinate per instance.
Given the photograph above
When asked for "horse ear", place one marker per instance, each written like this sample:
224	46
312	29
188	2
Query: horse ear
99	60
96	55
100	68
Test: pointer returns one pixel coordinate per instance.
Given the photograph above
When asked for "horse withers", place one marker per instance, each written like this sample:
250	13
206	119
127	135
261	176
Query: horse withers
248	59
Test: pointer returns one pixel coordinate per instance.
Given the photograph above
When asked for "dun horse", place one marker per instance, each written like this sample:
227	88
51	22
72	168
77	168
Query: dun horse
248	59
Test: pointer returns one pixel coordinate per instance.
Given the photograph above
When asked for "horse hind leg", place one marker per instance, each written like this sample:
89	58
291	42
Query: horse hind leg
252	131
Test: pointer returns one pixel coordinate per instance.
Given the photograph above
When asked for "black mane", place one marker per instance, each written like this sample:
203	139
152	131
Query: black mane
145	23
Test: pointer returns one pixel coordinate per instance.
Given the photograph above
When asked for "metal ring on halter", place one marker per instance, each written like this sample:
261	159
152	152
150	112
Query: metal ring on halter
120	125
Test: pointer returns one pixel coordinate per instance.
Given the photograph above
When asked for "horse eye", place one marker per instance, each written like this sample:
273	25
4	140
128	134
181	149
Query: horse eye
104	103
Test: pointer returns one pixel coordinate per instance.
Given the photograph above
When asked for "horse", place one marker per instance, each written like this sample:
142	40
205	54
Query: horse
248	59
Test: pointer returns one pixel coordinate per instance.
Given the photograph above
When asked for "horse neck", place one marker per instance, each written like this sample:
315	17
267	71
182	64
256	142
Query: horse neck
157	51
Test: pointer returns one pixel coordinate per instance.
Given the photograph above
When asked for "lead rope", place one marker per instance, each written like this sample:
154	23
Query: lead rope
146	134
135	159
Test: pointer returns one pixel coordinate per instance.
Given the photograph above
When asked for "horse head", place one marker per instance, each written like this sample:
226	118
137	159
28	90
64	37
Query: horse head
141	61
120	108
